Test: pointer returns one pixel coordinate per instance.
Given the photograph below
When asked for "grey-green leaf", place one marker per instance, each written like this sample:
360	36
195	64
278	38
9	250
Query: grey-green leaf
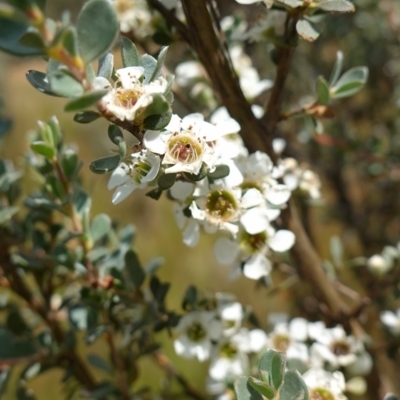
157	122
87	100
106	65
98	28
337	69
165	181
85	117
39	81
221	171
262	387
339	6
306	30
115	134
323	92
149	64
351	82
160	62
244	391
62	83
104	165
10	33
273	363
129	53
293	388
134	269
101	225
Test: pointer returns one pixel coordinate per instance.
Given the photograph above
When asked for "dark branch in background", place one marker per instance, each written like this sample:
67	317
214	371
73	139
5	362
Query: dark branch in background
171	18
285	58
163	362
204	41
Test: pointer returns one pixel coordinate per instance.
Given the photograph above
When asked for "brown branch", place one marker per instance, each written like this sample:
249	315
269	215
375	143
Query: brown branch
204	41
171	18
119	364
285	57
166	365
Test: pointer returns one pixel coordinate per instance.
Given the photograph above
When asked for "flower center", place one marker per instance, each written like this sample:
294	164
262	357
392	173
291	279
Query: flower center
229	350
138	168
184	148
123	5
127	98
196	332
340	348
221	204
251	185
253	243
280	342
321	394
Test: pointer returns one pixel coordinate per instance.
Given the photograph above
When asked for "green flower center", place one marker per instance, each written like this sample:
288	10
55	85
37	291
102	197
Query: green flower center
138	168
253	243
229	350
184	148
280	342
221	204
196	332
321	394
251	185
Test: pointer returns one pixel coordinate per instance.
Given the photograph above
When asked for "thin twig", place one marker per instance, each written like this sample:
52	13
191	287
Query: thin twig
119	364
163	362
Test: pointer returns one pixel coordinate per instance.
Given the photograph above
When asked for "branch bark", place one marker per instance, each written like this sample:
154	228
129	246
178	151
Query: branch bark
164	363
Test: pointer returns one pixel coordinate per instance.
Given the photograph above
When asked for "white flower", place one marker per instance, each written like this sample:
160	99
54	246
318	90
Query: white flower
250	249
391	320
334	346
299	177
133	15
324	385
384	262
196	331
184	144
249	79
129	97
134	172
289	338
257	171
231	316
228	362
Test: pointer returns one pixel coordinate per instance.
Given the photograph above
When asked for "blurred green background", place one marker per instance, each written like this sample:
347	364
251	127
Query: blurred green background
357	156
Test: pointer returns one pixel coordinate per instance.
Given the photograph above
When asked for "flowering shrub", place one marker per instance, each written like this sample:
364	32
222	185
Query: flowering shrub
72	280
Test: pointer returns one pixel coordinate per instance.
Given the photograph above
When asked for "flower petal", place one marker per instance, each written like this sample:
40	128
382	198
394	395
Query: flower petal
256	267
282	241
226	250
122	192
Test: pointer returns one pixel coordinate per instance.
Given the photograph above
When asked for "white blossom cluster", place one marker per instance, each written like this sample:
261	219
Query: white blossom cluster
191	74
242	205
319	352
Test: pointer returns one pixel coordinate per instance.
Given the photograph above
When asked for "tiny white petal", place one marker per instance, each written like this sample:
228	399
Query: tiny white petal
278	194
122	192
226	251
256	267
182	190
282	241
